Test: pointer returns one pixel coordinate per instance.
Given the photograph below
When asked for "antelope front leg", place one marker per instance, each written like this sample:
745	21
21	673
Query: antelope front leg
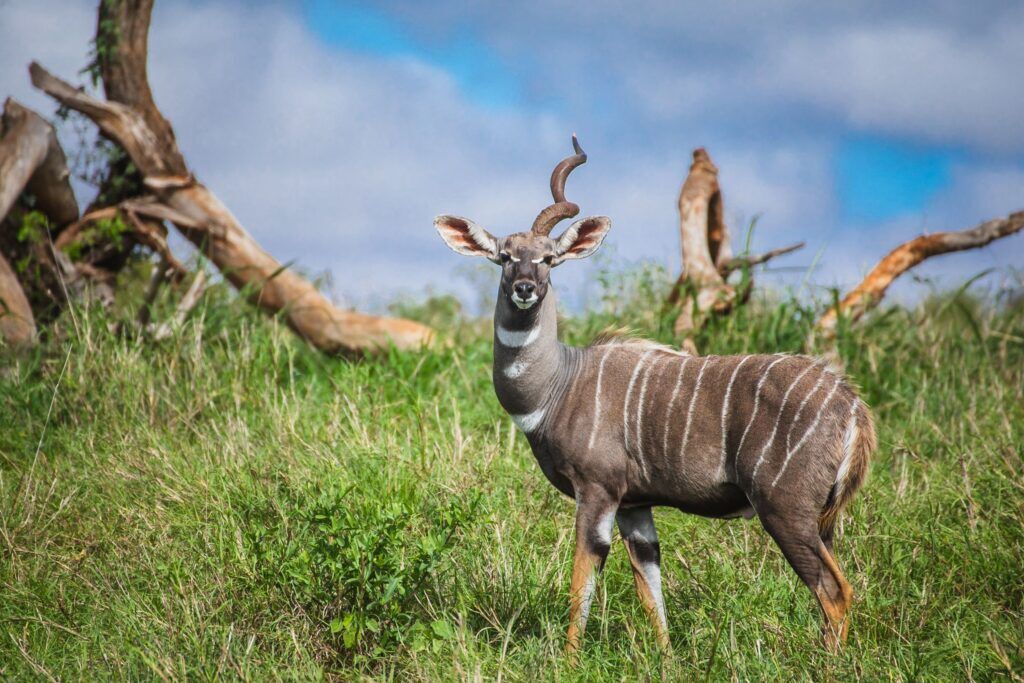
641	540
595	515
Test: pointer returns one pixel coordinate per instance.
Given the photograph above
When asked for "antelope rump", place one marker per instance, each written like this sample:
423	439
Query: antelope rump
625	424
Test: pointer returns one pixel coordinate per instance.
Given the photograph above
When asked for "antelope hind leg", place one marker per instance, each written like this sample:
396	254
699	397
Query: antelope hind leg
814	564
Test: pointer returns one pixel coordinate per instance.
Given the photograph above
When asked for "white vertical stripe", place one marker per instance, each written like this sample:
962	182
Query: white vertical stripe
803	403
672	402
629	392
757	402
517	338
640	412
597	398
689	411
810	430
725	410
778	419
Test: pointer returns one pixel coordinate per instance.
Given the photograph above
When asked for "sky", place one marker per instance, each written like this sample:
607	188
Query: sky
335	131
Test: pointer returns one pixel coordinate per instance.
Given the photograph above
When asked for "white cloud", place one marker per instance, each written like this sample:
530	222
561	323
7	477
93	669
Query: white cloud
917	81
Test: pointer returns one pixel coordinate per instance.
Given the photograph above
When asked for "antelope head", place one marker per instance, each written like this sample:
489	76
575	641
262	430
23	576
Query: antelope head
526	258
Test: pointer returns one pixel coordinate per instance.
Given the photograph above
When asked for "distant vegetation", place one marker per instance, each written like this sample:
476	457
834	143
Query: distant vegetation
231	503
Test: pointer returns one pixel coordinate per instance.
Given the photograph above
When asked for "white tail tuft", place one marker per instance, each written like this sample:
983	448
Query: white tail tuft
848	447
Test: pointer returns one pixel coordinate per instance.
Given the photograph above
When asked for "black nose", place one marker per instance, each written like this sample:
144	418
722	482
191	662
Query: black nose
524	289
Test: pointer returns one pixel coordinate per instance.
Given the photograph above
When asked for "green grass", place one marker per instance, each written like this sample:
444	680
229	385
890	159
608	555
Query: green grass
229	504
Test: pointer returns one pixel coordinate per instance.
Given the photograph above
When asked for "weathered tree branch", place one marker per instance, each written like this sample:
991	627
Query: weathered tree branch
872	288
132	120
739	262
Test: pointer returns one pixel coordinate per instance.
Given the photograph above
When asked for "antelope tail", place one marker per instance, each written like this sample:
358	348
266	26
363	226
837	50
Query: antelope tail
858	445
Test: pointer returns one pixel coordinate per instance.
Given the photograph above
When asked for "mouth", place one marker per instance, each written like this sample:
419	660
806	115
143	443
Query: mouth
524	304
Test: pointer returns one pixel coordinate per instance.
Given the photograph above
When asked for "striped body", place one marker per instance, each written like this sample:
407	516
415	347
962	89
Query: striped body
626	425
703	434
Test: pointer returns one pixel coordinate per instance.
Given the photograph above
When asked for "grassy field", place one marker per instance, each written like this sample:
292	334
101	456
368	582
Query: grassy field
229	504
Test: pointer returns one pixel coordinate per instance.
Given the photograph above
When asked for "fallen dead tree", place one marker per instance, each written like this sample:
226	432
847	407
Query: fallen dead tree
703	286
872	288
130	118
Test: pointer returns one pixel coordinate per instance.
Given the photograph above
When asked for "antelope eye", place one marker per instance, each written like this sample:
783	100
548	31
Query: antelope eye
505	257
549	259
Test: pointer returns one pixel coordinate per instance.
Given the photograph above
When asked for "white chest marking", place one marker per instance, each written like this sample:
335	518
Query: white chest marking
515	369
528	422
517	338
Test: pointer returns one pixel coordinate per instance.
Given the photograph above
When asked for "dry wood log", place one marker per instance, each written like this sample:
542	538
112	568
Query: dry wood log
872	288
32	159
17	325
131	119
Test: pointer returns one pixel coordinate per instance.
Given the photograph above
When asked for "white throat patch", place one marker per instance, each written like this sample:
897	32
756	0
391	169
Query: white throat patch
517	338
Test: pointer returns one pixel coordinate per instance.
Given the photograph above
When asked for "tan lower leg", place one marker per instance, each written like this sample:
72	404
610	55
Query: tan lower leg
581	592
651	603
835	606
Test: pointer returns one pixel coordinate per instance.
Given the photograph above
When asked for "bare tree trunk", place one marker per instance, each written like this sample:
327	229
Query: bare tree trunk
131	119
870	291
707	251
702	232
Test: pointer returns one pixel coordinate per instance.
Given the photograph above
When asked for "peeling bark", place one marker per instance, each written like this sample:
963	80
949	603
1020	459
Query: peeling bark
871	290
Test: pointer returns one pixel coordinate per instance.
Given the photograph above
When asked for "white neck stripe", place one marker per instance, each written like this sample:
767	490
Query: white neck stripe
517	338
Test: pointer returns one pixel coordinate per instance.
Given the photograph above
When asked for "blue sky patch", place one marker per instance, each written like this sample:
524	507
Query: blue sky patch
477	69
879	178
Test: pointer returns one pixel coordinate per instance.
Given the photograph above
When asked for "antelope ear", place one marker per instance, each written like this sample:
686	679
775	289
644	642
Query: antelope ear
466	237
582	238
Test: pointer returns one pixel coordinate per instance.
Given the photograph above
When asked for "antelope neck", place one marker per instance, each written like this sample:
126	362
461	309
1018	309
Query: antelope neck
531	367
